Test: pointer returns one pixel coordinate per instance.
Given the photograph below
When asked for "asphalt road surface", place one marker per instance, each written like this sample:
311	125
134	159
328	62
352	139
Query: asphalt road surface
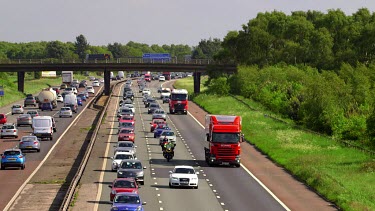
11	179
220	188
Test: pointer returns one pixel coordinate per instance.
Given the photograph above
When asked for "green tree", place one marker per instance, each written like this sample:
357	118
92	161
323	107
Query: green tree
56	49
81	46
206	49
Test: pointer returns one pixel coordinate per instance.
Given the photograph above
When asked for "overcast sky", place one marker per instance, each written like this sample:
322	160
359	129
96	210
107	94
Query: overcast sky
145	21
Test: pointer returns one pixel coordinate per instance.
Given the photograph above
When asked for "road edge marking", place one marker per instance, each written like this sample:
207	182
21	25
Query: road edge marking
20	189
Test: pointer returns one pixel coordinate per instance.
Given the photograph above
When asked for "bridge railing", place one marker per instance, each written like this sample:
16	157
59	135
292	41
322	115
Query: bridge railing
129	60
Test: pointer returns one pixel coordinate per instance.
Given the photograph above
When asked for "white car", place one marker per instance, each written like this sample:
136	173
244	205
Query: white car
146	91
90	89
60	98
75	91
165	92
95	84
171	136
183	176
65	112
17	109
161	78
119	156
131	106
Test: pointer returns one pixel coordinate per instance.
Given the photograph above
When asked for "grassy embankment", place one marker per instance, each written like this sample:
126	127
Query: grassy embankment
32	86
343	175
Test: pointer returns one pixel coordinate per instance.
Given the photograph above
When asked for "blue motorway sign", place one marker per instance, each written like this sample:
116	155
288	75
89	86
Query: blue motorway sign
166	57
1	91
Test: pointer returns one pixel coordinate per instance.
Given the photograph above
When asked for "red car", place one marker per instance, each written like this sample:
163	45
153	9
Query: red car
126	118
121	185
126	134
156	122
3	119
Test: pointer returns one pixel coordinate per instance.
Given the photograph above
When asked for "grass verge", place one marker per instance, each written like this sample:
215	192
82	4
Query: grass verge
343	175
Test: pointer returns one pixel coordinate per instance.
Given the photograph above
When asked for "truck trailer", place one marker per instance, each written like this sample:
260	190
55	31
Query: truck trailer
224	137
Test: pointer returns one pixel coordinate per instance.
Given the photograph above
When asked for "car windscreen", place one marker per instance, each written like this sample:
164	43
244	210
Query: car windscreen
122	144
154	106
7	153
225	137
7	127
28	139
179	97
126	131
168	133
123	156
16	106
124	184
126	118
159	112
131	165
184	171
126	124
42	123
126	199
165	91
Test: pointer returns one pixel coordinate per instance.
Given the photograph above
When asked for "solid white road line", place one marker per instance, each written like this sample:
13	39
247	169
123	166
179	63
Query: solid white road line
247	170
44	160
104	165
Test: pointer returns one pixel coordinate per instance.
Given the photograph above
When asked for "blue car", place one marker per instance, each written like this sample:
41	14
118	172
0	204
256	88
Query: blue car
13	158
82	96
79	101
159	130
127	201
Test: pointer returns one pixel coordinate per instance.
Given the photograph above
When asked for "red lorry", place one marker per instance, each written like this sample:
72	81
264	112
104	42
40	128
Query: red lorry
148	77
224	136
178	101
167	75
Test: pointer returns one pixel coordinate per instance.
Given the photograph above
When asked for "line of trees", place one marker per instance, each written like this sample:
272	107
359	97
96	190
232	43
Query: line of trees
314	68
81	47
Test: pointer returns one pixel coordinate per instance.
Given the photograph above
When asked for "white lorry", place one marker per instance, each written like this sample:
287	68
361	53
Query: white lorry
67	77
47	96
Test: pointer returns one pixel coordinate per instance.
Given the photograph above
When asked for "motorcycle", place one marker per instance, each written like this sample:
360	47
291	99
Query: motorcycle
168	154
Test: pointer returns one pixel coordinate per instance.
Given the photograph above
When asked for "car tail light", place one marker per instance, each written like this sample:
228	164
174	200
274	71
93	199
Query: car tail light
14	130
3	156
21	142
35	142
21	156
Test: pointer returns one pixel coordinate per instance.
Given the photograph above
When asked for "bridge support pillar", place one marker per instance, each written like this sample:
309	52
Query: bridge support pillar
107	82
197	82
21	81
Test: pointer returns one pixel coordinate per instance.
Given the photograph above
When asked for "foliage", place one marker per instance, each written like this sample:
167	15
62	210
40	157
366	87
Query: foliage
206	49
81	46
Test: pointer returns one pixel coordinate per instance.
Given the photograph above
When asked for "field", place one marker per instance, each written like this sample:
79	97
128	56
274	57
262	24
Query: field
344	175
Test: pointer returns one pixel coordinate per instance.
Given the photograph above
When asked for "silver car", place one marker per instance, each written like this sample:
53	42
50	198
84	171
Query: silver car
17	109
24	119
29	143
65	112
9	130
33	113
131	168
159	114
125	146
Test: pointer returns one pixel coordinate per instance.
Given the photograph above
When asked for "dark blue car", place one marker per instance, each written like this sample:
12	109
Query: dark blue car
79	101
46	106
13	158
127	201
160	129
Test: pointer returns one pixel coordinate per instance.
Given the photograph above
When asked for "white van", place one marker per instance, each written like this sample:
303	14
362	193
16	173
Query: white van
43	127
121	74
70	100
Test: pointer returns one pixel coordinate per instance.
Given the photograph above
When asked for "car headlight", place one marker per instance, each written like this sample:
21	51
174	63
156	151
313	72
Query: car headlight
114	208
140	174
174	178
120	172
114	163
139	208
114	192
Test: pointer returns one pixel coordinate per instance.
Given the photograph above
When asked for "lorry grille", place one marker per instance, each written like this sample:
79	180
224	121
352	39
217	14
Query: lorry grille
179	106
226	154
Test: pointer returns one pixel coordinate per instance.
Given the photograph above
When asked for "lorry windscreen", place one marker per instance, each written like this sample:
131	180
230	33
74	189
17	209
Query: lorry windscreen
179	97
225	137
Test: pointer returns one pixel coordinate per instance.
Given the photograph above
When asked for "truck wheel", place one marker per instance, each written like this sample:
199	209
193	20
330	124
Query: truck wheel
51	138
237	165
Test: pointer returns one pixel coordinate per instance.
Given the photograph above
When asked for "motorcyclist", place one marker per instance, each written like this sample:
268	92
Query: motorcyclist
167	146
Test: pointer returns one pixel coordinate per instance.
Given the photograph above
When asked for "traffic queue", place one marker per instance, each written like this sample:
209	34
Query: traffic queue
124	192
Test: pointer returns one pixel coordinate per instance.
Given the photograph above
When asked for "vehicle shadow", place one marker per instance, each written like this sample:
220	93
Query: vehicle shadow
103	183
173	162
160	186
99	202
103	170
104	157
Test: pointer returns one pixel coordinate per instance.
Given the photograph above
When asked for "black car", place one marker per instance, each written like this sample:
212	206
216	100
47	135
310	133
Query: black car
149	100
82	84
165	99
152	108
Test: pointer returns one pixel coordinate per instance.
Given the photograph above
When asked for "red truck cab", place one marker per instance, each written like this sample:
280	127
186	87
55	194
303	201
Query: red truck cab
148	77
167	75
224	139
178	101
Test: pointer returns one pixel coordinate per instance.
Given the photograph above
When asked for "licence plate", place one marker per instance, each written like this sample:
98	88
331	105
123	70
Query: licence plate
8	130
29	147
225	163
184	182
11	158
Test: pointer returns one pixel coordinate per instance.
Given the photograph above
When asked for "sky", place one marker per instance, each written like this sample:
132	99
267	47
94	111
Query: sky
145	21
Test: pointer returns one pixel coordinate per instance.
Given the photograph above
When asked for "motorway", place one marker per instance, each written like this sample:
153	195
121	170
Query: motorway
12	179
220	188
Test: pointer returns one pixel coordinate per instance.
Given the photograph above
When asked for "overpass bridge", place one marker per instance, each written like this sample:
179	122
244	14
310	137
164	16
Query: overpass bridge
197	66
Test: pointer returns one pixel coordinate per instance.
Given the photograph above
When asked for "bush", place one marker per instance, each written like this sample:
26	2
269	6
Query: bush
219	86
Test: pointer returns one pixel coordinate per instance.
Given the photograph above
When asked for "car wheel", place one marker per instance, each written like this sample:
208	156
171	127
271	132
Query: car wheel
142	183
51	138
12	113
38	150
60	116
15	136
18	125
170	186
154	135
1	137
196	187
23	167
2	167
